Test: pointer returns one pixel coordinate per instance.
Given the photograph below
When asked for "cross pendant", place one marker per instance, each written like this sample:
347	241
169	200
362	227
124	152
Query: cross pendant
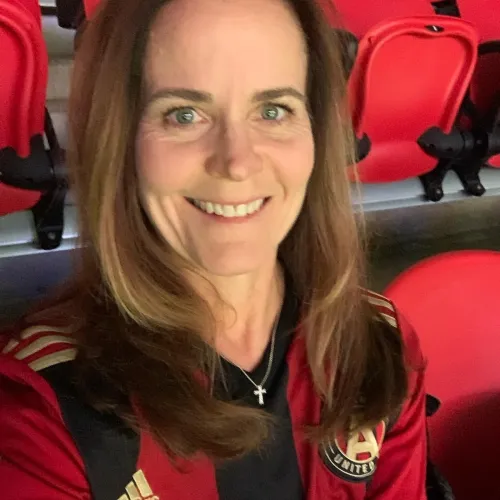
260	394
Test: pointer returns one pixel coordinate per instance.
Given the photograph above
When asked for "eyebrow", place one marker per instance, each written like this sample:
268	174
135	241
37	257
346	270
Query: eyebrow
270	94
205	97
188	94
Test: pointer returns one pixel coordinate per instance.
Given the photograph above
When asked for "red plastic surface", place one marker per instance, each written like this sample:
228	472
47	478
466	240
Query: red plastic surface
494	161
23	88
33	7
90	6
359	16
408	78
453	301
484	14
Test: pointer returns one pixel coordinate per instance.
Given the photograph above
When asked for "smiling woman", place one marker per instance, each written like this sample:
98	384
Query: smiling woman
224	141
218	341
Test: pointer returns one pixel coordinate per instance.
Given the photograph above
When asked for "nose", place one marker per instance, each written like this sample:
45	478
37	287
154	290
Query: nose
234	157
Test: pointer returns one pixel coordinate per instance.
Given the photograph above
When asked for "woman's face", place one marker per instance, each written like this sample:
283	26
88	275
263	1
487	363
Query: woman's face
224	146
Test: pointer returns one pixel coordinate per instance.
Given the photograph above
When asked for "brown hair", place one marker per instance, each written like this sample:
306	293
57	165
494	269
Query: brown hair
137	319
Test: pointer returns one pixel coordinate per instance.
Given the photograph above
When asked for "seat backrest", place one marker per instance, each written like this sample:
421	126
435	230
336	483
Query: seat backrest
360	16
453	300
410	74
23	88
484	14
33	7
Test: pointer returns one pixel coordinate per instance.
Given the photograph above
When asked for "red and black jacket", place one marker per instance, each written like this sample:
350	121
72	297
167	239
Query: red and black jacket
53	446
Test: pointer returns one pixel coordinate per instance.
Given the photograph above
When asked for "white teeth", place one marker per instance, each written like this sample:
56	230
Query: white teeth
251	207
241	210
258	204
229	211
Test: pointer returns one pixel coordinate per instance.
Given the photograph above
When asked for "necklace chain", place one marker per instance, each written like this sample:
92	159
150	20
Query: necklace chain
259	388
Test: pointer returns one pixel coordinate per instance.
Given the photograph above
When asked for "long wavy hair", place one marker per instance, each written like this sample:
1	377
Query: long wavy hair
139	323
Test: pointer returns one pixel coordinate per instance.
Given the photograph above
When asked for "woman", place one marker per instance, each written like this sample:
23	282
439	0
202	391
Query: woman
218	343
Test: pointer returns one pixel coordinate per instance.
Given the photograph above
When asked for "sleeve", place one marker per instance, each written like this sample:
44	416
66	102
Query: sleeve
38	458
401	469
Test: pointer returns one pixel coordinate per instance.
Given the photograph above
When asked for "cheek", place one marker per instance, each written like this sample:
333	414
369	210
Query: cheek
296	164
163	166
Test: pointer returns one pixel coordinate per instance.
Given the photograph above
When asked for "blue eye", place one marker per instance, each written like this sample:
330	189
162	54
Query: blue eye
273	112
182	116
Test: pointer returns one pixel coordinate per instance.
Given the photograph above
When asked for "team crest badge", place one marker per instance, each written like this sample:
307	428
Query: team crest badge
354	459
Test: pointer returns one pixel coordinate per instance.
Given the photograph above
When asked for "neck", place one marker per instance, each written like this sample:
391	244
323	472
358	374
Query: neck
246	313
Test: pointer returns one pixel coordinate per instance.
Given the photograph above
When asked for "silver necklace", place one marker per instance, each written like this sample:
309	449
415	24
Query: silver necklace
259	388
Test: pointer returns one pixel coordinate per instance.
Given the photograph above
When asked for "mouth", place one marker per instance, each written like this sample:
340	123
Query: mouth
229	211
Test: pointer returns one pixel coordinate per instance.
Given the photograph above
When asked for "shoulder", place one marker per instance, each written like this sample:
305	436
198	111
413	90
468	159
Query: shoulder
383	306
39	347
401	463
388	311
25	354
40	456
412	413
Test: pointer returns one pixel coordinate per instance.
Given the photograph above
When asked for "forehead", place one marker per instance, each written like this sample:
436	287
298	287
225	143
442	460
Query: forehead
209	42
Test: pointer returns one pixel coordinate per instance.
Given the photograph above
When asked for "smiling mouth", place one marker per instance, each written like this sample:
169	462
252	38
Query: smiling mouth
229	211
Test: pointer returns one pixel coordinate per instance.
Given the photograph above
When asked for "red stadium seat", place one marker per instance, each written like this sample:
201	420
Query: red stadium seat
33	7
484	14
359	17
22	98
453	301
30	175
411	74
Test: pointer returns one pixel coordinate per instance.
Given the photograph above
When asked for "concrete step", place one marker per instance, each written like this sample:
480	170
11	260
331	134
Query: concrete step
58	113
60	49
59	79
